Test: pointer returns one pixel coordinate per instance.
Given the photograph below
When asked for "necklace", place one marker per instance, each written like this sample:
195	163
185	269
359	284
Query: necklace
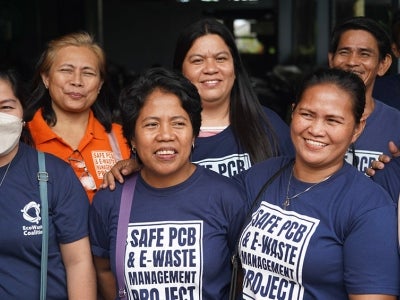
5	173
286	203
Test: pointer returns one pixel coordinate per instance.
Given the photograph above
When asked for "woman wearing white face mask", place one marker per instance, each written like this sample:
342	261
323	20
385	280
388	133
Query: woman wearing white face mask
70	272
10	132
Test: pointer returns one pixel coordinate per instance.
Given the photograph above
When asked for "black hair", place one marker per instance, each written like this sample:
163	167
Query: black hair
134	96
19	88
244	103
367	24
346	81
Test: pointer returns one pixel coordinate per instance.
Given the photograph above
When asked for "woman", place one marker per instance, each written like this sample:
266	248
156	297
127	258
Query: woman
70	273
207	55
321	229
184	220
70	110
236	131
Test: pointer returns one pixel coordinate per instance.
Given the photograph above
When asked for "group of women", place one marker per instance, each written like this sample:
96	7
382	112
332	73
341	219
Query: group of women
319	229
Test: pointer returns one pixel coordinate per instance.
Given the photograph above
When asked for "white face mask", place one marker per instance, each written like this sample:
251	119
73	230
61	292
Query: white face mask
10	132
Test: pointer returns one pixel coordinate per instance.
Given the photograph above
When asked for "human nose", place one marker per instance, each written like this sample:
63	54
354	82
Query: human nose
210	66
316	127
76	79
352	59
165	133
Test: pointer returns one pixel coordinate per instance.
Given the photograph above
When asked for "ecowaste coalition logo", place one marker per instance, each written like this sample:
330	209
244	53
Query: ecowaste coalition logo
31	213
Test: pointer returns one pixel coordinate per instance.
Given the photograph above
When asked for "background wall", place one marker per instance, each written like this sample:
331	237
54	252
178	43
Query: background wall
137	34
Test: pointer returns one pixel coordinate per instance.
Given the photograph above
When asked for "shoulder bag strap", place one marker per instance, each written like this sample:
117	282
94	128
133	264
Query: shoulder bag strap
114	145
128	192
235	257
43	177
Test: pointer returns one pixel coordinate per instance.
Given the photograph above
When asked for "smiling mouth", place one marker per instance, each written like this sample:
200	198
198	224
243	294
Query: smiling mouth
315	143
359	73
210	83
165	152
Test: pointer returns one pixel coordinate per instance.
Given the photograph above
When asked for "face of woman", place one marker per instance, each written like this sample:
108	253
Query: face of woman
10	127
163	140
323	126
209	66
73	79
9	103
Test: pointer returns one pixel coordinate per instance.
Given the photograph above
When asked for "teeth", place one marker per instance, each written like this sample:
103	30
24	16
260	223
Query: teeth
211	81
314	143
165	152
355	72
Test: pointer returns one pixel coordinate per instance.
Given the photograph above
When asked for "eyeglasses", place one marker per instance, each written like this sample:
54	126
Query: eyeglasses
77	162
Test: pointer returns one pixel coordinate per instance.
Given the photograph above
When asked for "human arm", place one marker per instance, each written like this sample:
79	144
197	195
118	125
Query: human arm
81	278
105	278
383	159
118	171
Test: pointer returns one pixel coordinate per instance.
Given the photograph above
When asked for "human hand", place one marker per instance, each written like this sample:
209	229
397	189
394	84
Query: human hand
394	149
118	171
383	159
378	164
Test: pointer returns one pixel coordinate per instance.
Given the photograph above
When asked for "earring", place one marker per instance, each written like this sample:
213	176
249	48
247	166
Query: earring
133	152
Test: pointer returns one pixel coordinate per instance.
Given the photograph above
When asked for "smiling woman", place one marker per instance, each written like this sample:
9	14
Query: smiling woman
207	55
163	139
320	209
69	110
184	219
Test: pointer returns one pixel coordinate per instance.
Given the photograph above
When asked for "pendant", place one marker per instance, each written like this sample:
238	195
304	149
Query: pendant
286	203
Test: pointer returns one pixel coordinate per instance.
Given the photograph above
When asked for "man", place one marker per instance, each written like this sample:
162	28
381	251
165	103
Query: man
362	46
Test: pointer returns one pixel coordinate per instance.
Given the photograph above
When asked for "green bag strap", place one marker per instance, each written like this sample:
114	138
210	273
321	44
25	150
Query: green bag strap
43	177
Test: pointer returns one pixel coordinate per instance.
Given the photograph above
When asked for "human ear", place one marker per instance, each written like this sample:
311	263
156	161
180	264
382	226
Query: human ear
358	129
45	80
330	59
384	65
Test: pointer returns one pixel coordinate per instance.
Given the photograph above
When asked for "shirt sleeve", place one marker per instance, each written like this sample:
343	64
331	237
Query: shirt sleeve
102	216
68	209
371	257
389	178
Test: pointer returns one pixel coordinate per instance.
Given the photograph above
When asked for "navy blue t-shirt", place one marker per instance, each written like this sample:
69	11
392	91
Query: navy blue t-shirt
222	153
387	90
389	178
180	239
338	238
21	223
381	126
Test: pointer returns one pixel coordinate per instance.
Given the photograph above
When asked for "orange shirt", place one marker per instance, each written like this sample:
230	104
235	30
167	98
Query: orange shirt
94	149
